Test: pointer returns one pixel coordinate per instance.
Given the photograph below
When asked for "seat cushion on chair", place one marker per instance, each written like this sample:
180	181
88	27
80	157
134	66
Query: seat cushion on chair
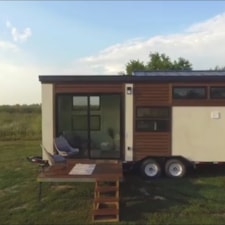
58	158
62	145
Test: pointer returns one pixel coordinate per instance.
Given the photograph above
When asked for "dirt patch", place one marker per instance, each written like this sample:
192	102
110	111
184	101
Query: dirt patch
12	189
62	187
2	193
24	206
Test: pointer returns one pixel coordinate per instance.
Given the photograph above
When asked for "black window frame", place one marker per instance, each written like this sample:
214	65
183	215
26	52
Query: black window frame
186	97
156	121
92	107
211	92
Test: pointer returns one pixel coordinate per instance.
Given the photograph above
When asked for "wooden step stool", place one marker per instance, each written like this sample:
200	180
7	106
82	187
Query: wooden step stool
106	201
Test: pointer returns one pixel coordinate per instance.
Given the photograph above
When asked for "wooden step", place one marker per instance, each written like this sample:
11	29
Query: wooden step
105	218
106	179
105	215
105	189
106	199
105	211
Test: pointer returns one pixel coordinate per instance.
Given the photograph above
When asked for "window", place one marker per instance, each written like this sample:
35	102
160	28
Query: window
80	122
86	107
217	92
81	102
94	102
189	92
154	119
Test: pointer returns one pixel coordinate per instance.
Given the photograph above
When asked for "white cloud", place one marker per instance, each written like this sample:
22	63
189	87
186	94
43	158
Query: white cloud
19	84
5	45
19	36
202	44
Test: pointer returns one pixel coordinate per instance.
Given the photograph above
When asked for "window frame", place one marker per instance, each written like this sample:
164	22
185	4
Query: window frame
188	97
85	107
154	119
215	97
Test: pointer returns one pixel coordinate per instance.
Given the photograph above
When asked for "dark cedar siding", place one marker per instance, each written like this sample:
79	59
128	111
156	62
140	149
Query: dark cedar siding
151	94
151	143
89	88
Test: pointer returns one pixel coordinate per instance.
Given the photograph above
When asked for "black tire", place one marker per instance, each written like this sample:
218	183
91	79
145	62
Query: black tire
175	168
150	168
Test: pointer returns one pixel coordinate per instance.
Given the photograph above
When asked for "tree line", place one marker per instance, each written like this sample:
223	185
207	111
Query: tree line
32	108
160	62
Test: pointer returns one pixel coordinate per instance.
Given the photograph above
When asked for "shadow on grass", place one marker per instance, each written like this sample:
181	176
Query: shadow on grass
141	197
208	170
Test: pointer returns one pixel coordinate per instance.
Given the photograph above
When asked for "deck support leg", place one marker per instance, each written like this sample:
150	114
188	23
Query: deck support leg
40	191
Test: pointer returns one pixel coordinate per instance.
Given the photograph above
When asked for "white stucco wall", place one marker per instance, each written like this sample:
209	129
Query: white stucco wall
129	108
198	133
47	118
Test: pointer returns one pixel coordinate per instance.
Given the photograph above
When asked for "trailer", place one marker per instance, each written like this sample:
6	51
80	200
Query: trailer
161	121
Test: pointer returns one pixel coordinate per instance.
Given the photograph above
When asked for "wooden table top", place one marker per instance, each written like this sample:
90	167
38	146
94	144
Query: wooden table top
104	169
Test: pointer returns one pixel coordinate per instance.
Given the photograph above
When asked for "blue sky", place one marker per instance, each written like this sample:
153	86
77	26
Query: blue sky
100	37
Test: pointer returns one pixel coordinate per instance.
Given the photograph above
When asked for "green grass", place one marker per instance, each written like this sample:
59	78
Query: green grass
197	199
16	125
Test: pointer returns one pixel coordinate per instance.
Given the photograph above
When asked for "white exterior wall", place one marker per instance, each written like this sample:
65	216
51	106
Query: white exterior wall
129	108
47	118
198	133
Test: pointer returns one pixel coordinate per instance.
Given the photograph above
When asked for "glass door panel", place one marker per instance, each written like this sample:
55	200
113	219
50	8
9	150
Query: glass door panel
105	128
80	124
91	123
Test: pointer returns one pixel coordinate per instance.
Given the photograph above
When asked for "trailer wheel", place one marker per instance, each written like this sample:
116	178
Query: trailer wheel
150	168
175	168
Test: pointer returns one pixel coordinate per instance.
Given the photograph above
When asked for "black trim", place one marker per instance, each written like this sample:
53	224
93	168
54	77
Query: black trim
153	76
188	97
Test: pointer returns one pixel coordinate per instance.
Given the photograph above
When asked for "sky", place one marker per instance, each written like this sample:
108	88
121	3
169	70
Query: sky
100	38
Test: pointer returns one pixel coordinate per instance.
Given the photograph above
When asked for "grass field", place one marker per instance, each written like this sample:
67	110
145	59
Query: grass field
197	199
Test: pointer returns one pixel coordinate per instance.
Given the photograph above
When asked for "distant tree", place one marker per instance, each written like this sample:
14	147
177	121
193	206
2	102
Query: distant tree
134	65
121	73
182	64
33	108
218	68
158	62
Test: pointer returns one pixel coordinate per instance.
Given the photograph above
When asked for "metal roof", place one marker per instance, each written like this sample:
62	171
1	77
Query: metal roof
140	76
180	73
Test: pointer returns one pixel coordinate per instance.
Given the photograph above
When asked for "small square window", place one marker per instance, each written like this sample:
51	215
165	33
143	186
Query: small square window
80	102
94	102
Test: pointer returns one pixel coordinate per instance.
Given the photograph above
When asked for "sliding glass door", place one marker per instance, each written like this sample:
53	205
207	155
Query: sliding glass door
91	123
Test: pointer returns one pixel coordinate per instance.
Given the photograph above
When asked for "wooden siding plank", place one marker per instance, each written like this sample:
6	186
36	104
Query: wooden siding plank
151	143
89	88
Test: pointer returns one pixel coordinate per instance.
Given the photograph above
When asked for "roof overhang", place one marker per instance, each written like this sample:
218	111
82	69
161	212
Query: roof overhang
147	76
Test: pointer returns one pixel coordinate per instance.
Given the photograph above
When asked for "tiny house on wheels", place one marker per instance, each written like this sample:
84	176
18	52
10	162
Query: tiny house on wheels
161	121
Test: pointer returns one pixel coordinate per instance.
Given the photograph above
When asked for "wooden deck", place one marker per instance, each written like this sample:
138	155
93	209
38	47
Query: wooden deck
106	172
60	172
